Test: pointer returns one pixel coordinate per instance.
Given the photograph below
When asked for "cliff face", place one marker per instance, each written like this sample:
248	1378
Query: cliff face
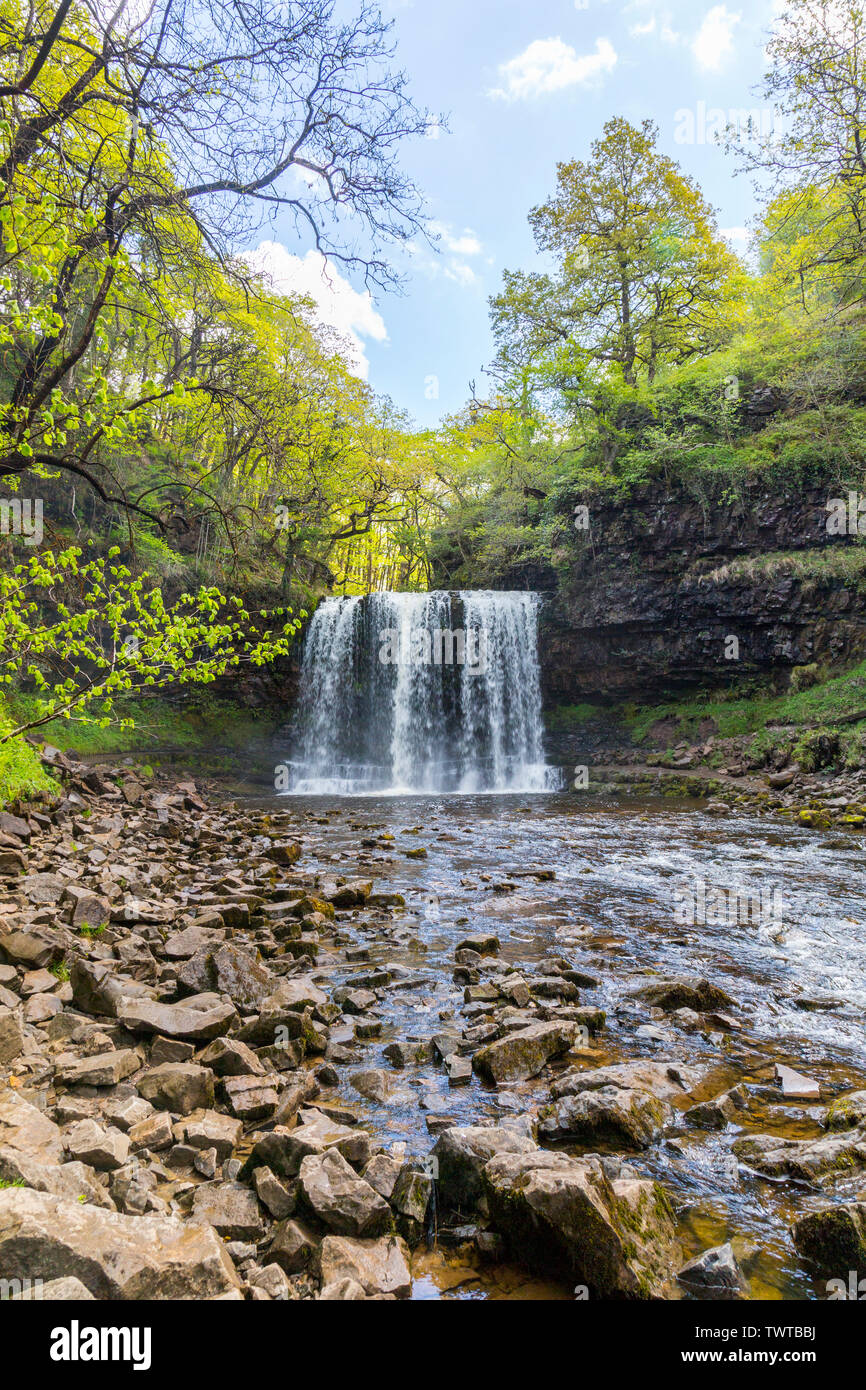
664	593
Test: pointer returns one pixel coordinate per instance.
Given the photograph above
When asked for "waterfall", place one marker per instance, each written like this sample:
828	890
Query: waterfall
421	692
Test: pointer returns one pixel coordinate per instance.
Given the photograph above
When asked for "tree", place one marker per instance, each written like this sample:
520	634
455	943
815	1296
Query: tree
642	278
139	150
85	633
811	169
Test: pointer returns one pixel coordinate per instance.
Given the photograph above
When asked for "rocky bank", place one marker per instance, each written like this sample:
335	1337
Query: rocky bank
182	1002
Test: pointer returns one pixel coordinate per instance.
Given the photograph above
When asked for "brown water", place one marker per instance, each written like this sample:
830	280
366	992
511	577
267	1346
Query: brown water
611	911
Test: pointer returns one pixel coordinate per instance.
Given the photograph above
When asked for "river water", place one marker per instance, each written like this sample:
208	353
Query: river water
622	869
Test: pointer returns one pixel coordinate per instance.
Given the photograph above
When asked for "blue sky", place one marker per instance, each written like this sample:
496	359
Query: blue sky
524	86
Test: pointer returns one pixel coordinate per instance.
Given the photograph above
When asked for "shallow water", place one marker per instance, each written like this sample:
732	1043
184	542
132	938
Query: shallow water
612	910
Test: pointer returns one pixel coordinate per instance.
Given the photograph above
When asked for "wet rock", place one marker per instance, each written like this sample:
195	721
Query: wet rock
848	1112
231	1208
462	1152
608	1117
372	1084
398	1054
382	1173
718	1112
565	1215
807	1159
523	1054
114	1256
380	1266
795	1086
483	945
664	1080
833	1240
342	1200
714	1274
177	1086
682	992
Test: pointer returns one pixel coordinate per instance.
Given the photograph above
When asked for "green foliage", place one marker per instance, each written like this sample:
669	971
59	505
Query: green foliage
84	633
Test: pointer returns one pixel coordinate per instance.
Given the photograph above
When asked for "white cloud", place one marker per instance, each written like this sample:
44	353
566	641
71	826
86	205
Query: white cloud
549	65
737	235
463	243
714	42
349	312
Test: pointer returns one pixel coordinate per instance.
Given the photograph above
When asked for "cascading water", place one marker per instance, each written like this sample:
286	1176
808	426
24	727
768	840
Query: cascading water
435	692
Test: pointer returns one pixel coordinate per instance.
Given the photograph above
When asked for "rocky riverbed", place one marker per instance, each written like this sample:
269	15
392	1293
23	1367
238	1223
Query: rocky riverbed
298	1051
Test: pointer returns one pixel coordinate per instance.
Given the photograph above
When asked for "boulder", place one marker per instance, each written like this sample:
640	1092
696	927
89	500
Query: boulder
181	1087
606	1117
381	1267
563	1215
681	992
462	1152
807	1159
198	1019
231	1208
342	1200
114	1256
100	1147
104	1069
833	1240
228	969
520	1055
714	1274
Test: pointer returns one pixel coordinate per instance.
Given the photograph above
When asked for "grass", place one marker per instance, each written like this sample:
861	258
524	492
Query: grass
208	723
21	772
822	704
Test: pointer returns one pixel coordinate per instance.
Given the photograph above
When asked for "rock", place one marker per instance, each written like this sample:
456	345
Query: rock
26	1131
199	1019
382	1173
397	1054
11	1037
719	1112
211	1130
228	969
795	1086
565	1215
483	945
69	1290
114	1256
520	1055
30	949
714	1274
380	1266
14	825
344	1290
372	1084
341	1199
178	1086
608	1117
681	992
153	1133
293	1246
273	1194
228	1057
231	1208
462	1152
807	1159
103	1149
105	1069
95	988
848	1112
833	1240
251	1097
184	944
664	1080
283	1150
